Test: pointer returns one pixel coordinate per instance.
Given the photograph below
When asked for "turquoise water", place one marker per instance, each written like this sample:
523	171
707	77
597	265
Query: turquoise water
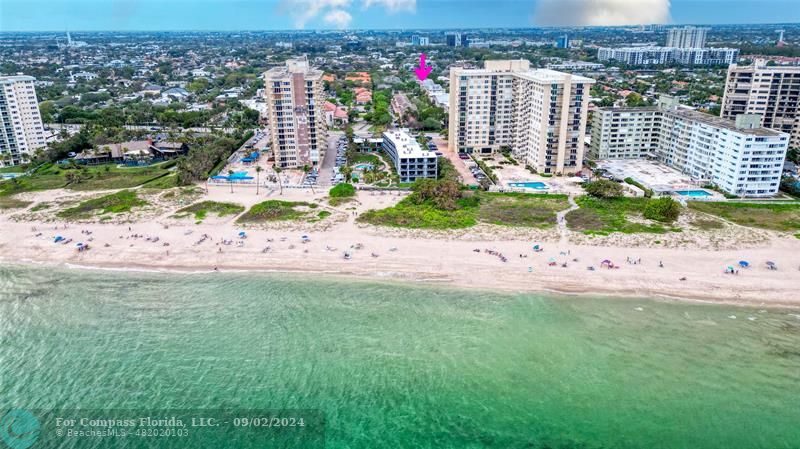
529	185
693	193
363	167
400	366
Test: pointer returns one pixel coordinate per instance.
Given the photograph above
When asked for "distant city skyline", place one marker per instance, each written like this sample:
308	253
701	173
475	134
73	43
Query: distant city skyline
230	15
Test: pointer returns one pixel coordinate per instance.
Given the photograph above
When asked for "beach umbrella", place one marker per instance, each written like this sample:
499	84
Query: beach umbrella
242	234
771	264
79	244
744	263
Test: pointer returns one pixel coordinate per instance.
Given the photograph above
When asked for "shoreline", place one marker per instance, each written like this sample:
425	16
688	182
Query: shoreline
375	277
675	267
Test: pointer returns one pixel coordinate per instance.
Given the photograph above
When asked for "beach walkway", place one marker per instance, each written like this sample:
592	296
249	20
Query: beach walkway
561	218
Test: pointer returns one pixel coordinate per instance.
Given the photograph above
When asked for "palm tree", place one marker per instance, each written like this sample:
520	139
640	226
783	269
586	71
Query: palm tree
347	171
278	175
258	177
306	170
230	179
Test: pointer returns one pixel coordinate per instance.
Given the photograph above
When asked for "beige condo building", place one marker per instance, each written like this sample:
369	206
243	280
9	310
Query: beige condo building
773	92
539	114
296	114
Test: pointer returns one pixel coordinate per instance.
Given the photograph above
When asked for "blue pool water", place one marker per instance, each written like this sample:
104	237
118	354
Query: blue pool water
363	167
529	185
694	193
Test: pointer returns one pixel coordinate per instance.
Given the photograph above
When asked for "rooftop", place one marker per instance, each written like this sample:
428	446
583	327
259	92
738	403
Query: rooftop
16	78
708	119
407	146
298	65
522	69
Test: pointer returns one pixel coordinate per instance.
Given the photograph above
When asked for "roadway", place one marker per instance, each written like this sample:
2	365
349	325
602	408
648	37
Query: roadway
329	161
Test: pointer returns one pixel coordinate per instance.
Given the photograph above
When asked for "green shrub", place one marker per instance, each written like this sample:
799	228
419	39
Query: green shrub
273	210
202	209
343	190
603	189
662	209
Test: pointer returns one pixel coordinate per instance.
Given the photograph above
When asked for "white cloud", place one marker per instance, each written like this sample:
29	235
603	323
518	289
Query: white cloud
337	12
601	12
339	18
393	5
303	11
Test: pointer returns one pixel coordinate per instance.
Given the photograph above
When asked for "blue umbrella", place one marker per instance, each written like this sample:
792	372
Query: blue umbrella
744	263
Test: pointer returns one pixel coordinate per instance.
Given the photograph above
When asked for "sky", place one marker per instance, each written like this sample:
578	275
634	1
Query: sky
225	15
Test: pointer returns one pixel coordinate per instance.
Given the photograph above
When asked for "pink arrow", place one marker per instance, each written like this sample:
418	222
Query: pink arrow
422	71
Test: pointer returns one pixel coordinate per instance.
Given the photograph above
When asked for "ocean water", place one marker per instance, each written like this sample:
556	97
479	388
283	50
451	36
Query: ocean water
388	365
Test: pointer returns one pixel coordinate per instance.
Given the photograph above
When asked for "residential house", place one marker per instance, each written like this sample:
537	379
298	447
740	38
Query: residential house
363	95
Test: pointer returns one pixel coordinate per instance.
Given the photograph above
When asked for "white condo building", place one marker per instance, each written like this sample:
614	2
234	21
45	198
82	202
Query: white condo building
669	55
411	161
739	156
687	37
21	129
295	104
539	114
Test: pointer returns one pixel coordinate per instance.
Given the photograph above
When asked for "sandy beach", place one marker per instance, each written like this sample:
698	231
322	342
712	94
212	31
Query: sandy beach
674	266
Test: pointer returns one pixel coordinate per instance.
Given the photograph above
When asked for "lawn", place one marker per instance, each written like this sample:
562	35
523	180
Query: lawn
604	216
99	177
275	210
521	209
508	209
115	203
772	216
202	209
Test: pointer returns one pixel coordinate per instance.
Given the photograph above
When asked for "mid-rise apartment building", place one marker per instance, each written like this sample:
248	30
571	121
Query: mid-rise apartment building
411	161
296	113
420	40
773	92
539	114
21	129
669	55
453	39
739	156
687	37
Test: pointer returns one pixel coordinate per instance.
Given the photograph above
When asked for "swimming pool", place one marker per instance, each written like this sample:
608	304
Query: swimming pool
363	167
529	185
693	193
